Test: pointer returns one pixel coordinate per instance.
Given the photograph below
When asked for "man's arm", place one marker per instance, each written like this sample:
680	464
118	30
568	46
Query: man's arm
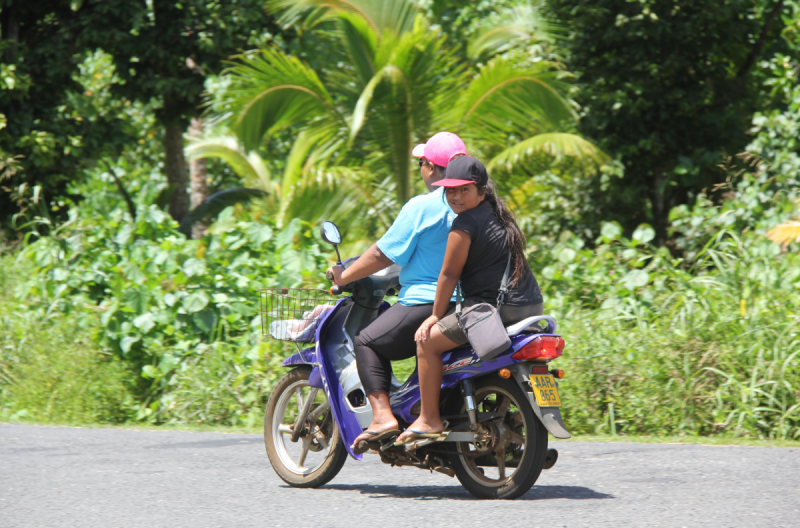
370	262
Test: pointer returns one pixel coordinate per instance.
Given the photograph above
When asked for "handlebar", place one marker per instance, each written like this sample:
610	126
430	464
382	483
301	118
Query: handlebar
329	275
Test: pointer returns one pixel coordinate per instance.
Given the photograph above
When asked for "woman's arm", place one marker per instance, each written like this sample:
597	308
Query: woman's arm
455	256
367	264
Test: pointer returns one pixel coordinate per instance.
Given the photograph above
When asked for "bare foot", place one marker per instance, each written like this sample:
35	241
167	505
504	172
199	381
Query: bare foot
421	426
377	428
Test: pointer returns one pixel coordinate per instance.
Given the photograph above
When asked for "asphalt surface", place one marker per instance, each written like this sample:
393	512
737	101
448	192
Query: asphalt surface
53	476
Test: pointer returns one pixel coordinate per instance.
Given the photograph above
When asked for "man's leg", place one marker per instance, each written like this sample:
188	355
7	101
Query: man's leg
388	338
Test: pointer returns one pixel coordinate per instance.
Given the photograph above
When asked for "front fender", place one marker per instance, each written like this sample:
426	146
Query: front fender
304	357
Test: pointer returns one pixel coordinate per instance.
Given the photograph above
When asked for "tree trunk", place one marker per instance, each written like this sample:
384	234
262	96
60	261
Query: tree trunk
197	176
660	213
9	25
175	165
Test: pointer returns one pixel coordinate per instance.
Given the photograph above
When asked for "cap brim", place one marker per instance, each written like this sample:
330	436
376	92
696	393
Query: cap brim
450	182
419	151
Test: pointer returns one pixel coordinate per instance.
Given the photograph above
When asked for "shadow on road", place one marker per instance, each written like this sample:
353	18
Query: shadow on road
459	493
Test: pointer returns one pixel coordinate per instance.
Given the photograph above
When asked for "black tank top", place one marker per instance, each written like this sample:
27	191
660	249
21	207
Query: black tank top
487	259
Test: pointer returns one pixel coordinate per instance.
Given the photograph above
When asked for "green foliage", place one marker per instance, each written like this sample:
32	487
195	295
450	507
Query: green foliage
157	300
668	88
392	79
117	320
57	116
50	368
164	51
661	349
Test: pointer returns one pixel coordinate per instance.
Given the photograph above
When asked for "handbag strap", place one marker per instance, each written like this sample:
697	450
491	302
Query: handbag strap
501	295
458	301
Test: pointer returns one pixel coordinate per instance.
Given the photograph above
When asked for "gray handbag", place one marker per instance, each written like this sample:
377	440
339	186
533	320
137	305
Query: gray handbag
482	324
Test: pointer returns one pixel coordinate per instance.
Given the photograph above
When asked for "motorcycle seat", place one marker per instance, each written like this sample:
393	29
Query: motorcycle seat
530	326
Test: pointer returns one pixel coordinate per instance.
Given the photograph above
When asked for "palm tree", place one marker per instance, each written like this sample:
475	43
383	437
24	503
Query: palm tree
388	81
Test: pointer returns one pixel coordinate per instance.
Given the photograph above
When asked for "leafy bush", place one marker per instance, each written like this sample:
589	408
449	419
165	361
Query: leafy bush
50	368
655	347
172	309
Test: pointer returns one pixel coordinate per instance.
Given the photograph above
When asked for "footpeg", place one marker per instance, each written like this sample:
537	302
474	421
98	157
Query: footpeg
550	458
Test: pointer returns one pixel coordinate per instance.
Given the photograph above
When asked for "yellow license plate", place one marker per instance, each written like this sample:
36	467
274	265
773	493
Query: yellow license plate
545	390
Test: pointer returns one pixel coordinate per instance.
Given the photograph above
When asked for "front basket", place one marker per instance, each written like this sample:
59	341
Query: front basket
292	314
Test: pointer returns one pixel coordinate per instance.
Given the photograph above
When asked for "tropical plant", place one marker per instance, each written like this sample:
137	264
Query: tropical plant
389	80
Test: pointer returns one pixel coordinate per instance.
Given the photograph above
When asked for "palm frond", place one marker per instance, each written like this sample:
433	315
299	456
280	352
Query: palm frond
509	98
403	102
554	145
249	166
785	234
270	91
381	15
512	27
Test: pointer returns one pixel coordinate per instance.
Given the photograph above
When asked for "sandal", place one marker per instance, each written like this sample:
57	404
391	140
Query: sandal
416	435
363	445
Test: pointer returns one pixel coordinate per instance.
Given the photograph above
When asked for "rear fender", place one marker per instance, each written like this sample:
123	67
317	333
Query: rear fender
549	416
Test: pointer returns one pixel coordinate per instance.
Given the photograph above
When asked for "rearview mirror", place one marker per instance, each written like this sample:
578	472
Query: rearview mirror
330	233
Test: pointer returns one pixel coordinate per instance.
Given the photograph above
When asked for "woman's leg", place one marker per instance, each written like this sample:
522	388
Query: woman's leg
429	364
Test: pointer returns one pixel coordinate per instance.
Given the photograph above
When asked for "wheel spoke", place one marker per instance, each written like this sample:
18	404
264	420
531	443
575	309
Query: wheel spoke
313	415
500	455
299	394
285	429
304	451
516	438
503	405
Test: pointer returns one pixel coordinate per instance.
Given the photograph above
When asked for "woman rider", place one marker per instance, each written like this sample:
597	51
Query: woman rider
481	237
416	240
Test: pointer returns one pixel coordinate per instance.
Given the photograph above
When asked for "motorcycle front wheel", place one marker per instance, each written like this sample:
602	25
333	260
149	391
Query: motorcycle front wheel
319	452
513	453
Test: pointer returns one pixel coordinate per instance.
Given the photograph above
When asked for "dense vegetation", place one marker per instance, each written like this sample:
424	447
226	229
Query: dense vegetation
648	151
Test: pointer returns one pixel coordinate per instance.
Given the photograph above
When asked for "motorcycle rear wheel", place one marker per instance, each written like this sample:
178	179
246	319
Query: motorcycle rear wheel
319	453
521	464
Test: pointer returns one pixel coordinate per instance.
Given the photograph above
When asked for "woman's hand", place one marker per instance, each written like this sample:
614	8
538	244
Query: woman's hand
424	330
337	275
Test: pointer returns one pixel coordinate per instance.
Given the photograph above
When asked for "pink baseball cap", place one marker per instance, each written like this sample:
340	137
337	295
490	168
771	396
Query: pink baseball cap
440	148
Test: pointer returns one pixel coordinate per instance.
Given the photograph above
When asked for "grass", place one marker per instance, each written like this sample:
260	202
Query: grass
51	370
710	354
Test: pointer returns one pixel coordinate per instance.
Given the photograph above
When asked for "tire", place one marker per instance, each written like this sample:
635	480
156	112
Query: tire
282	410
526	460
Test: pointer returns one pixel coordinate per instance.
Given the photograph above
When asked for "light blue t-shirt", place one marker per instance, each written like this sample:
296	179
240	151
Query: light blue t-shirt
417	241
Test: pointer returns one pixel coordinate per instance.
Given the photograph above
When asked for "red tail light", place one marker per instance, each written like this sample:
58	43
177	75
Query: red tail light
543	347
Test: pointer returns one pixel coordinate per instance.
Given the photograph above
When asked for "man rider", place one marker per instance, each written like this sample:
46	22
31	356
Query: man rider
416	241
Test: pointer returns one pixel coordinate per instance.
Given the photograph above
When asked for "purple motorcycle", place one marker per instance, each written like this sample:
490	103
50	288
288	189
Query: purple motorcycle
497	413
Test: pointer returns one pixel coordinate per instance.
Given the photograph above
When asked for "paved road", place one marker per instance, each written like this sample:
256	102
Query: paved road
52	476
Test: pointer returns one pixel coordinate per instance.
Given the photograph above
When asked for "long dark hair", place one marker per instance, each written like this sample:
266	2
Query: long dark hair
516	240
